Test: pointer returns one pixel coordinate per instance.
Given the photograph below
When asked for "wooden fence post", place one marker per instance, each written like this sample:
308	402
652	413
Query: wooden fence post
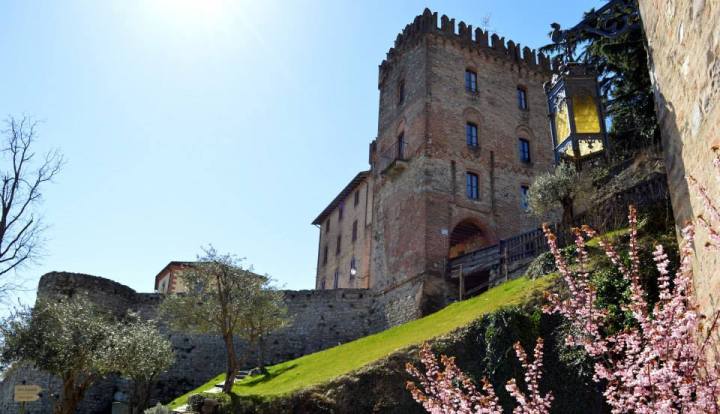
462	283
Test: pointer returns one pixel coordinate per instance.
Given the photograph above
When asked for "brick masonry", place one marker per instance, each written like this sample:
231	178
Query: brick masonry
415	204
684	46
419	205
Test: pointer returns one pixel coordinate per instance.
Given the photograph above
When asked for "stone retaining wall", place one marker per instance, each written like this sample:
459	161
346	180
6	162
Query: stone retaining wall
321	319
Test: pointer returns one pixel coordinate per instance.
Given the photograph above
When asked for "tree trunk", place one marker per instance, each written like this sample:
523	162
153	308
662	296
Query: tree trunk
261	355
70	397
140	396
231	363
568	214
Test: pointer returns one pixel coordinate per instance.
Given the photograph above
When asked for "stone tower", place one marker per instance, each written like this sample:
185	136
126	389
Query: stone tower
462	132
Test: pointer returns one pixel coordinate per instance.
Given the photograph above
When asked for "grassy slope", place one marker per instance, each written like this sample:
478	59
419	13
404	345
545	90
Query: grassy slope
325	365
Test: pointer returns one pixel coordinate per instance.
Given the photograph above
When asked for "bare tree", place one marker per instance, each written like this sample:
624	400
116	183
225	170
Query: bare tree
22	177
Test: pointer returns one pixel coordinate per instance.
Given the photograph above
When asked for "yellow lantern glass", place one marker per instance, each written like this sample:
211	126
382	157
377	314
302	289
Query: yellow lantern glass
586	115
562	122
590	147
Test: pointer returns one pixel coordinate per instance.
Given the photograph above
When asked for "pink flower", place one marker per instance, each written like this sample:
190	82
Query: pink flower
659	366
448	390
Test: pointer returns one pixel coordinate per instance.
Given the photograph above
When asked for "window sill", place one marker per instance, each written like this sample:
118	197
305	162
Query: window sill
527	164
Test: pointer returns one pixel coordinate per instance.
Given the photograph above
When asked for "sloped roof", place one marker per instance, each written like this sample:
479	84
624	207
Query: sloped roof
359	178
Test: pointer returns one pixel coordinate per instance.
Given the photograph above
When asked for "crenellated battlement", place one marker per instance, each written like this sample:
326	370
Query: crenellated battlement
464	34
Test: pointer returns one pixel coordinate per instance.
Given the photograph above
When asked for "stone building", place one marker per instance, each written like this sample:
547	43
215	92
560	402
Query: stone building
684	52
462	132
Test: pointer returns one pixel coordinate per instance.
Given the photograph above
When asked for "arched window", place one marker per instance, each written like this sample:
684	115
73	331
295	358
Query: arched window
522	97
471	186
471	81
524	150
471	134
401	92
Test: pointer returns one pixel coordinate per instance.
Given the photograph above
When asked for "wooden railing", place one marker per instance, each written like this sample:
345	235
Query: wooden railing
496	259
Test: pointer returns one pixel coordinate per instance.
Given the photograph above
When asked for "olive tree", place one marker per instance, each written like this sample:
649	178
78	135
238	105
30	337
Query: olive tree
66	338
23	175
223	298
80	344
559	188
269	314
138	351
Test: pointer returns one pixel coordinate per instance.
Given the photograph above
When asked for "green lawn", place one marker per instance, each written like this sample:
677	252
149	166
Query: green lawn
323	366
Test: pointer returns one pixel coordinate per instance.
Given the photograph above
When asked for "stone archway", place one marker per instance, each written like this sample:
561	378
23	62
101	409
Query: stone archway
466	237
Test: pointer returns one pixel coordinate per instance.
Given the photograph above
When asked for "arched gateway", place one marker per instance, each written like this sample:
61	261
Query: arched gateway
470	246
468	236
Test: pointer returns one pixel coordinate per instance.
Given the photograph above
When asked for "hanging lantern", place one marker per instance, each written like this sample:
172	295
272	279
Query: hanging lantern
576	117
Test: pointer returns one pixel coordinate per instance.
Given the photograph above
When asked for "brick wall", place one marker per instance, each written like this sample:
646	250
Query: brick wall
418	204
684	46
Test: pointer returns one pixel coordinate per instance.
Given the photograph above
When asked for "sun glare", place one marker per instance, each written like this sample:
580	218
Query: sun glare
192	12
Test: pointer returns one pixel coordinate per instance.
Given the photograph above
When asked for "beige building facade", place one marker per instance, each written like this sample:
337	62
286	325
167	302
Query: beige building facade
344	245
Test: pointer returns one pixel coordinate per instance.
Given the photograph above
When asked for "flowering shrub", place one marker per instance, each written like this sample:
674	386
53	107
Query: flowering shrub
658	365
447	390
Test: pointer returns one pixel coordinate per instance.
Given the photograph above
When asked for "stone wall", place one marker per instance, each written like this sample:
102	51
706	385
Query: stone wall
320	319
684	46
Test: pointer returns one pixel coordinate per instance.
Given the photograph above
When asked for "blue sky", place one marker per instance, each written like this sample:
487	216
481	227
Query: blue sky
188	122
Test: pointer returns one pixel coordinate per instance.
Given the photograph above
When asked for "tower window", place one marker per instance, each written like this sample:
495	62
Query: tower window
353	267
471	186
336	279
325	255
524	150
357	198
470	81
524	204
341	209
354	230
401	91
322	284
522	98
337	247
327	226
471	134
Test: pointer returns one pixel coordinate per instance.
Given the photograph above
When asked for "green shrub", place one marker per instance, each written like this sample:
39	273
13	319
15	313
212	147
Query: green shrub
541	265
195	402
225	402
158	409
544	263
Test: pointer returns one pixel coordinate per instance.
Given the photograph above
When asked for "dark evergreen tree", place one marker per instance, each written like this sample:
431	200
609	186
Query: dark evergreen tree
612	41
